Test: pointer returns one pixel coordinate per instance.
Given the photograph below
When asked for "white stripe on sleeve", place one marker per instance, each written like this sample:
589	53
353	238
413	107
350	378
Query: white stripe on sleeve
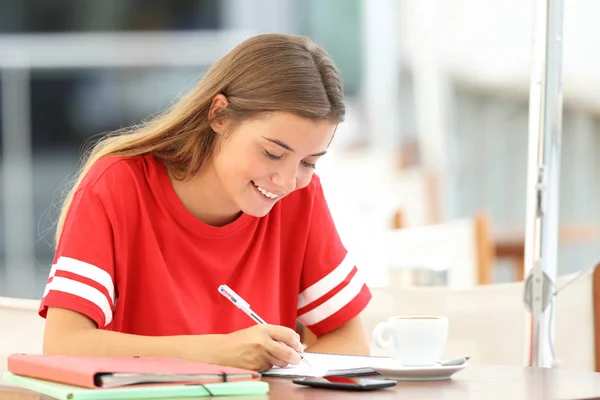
86	270
327	283
84	291
335	303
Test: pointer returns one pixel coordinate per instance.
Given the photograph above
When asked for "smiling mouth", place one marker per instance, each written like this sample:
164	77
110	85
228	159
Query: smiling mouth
266	193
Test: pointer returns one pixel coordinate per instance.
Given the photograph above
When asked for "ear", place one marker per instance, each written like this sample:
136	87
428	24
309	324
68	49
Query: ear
218	104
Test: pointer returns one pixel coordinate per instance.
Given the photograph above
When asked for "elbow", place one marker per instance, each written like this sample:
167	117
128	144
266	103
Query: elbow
363	349
59	342
52	345
63	343
361	345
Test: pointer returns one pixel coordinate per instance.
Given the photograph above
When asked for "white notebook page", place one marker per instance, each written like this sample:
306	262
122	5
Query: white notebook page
322	364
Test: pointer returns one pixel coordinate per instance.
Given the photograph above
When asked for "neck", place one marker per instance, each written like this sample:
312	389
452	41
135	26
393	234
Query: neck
205	198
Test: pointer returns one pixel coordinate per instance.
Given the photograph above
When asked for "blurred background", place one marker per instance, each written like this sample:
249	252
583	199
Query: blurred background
434	147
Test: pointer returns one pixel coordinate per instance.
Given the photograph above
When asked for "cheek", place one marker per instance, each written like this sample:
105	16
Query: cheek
304	179
252	167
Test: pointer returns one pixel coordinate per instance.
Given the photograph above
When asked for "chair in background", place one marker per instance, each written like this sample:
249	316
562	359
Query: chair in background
510	245
489	323
22	329
463	247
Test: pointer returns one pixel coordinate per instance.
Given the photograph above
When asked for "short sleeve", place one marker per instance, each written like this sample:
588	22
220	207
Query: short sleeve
332	290
82	274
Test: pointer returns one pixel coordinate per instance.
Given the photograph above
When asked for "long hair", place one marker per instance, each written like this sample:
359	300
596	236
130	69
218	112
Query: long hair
266	73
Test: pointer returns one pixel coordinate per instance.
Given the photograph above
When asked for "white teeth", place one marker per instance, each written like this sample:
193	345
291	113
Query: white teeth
266	193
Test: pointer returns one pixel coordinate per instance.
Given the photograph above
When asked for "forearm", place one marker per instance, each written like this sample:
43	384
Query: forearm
107	343
256	348
347	339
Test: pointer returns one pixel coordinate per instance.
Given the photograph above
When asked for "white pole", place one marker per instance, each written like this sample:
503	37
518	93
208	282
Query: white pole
545	118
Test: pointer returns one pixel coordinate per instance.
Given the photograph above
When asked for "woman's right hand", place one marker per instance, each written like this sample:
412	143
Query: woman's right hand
258	348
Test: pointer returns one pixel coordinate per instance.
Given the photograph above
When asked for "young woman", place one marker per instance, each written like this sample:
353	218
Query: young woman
220	189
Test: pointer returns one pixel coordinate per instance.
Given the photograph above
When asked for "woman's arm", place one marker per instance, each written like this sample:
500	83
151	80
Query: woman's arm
349	338
69	332
256	348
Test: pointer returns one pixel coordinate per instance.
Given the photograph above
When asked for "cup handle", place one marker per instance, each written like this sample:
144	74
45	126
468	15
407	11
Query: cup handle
378	332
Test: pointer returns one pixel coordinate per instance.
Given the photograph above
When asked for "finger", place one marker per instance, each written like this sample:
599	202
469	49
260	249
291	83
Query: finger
286	335
274	361
282	353
265	364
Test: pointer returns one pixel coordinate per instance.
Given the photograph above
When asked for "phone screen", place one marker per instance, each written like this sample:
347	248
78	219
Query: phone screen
352	381
347	383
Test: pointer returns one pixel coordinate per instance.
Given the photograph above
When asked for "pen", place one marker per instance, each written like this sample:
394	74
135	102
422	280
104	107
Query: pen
245	307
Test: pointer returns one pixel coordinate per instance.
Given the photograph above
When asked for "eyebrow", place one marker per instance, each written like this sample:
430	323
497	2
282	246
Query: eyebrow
288	148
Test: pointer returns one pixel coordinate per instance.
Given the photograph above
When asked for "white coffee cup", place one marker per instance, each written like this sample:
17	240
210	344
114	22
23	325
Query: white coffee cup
418	341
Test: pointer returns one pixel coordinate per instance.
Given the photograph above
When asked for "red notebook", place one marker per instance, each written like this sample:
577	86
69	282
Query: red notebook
106	372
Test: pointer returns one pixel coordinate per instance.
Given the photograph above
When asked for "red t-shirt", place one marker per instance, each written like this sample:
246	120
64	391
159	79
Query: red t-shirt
133	259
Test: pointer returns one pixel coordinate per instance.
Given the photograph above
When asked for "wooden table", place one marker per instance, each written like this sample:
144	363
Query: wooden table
475	382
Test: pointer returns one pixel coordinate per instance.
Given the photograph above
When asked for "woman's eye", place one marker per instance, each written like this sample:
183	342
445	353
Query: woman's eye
271	155
309	165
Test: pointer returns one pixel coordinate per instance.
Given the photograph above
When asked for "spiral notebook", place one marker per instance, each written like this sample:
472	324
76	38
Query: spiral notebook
324	364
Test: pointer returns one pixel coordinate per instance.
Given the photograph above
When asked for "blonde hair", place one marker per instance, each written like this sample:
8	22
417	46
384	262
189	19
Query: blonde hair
266	73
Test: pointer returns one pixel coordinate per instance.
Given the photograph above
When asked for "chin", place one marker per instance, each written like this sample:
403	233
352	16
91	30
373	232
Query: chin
256	208
256	212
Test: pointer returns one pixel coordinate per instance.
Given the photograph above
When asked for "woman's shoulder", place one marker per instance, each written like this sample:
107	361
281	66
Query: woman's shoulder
114	172
120	179
123	183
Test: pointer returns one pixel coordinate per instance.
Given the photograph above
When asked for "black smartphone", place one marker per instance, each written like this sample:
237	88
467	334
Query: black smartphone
345	383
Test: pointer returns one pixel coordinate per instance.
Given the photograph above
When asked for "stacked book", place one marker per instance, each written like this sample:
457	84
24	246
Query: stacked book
92	377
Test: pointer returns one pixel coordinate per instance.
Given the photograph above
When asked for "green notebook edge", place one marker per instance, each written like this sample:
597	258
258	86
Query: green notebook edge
68	392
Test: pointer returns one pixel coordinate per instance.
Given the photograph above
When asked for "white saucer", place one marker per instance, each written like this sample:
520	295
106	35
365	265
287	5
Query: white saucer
395	371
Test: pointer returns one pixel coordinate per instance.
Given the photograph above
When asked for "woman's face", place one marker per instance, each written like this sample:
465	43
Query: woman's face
263	160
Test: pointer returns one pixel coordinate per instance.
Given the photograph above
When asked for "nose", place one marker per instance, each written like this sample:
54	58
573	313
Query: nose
286	178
